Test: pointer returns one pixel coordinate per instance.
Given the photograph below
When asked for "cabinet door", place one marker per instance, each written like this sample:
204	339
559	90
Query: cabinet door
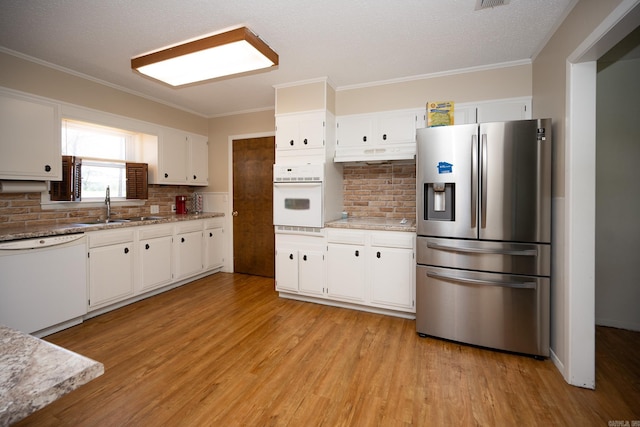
311	131
198	160
172	157
311	272
504	111
30	139
392	272
188	254
213	248
346	272
155	265
286	269
287	131
464	115
396	128
355	131
110	273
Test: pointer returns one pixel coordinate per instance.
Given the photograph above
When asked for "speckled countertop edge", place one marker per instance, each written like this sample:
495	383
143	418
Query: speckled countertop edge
30	232
370	223
34	373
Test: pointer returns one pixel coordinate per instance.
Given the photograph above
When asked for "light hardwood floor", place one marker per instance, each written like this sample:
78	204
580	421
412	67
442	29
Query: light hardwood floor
226	351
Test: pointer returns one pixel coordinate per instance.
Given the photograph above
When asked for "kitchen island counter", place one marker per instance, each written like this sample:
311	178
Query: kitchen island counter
34	373
372	223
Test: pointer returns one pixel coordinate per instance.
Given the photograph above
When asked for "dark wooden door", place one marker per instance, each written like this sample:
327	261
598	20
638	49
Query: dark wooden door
253	237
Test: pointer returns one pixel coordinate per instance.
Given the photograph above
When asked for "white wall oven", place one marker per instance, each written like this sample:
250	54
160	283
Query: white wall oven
297	195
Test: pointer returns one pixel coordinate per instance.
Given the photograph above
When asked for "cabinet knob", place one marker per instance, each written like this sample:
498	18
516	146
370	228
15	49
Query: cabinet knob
210	234
290	256
126	250
378	254
182	240
194	177
364	138
305	141
291	142
47	168
384	137
166	175
357	253
146	246
304	257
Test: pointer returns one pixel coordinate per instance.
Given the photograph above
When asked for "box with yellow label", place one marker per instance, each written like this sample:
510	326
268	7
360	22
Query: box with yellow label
439	113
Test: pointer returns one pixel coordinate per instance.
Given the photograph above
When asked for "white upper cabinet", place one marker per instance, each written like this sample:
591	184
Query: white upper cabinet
492	111
29	139
390	135
182	159
304	137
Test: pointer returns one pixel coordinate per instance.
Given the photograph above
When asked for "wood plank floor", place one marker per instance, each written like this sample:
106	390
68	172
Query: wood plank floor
226	351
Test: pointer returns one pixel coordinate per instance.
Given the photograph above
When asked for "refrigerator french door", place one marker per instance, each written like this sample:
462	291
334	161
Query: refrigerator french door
483	224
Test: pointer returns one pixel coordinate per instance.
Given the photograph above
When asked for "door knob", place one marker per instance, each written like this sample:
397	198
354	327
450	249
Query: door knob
234	213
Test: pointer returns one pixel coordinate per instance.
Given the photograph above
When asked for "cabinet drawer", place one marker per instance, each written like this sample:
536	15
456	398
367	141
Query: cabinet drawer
348	237
110	237
213	223
188	226
154	231
392	239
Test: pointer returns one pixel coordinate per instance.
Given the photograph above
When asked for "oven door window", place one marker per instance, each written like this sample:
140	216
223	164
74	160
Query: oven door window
297	204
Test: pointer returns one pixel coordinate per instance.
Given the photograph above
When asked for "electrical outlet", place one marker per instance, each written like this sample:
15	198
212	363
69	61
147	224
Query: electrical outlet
173	208
155	209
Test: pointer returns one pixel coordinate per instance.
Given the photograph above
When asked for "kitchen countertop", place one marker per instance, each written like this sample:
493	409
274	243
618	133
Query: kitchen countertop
370	223
30	232
34	373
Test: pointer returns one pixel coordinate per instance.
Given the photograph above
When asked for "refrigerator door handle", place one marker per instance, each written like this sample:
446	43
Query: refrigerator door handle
483	190
517	285
474	181
498	251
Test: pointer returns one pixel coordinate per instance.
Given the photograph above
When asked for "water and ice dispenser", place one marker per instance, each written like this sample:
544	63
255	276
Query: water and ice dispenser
439	200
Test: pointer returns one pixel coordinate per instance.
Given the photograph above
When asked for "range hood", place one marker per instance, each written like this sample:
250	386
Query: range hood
375	154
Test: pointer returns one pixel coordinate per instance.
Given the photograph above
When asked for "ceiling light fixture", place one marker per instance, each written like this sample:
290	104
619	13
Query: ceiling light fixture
234	52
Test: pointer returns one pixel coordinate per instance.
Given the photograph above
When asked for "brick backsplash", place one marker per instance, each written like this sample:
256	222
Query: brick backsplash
19	209
380	190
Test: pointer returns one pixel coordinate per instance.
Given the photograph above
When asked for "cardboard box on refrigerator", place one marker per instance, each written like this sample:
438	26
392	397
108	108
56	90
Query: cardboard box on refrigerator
440	113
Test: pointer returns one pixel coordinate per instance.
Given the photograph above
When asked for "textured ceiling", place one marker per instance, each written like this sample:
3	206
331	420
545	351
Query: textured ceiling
352	42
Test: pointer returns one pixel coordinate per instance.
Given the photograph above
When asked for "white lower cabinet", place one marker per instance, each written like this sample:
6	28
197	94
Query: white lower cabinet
111	262
346	265
214	244
154	249
188	249
130	261
367	269
300	264
393	268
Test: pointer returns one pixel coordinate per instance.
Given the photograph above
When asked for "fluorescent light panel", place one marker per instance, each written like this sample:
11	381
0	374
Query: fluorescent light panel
234	52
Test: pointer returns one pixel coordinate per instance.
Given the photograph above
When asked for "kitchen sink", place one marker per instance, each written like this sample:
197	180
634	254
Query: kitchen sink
144	218
103	221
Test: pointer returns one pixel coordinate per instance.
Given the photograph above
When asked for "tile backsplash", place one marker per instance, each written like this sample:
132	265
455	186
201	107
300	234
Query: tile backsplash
386	190
18	209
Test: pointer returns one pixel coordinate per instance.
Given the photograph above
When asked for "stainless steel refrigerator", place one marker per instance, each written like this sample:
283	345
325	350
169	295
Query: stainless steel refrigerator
484	234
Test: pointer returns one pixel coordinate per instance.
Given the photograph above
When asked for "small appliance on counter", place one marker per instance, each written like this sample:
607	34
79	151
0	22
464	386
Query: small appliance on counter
181	205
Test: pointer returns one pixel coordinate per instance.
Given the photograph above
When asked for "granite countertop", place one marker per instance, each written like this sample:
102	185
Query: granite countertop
34	373
370	223
30	232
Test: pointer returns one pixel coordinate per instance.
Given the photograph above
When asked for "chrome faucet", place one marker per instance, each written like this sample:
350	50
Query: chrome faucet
107	201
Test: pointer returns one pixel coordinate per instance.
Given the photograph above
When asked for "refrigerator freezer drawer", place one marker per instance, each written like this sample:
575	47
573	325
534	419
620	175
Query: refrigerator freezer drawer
499	311
513	258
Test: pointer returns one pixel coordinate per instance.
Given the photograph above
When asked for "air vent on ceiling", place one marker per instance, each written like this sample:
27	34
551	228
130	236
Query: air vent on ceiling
486	4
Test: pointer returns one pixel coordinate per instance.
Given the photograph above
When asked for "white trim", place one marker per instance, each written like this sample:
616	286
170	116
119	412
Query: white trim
580	223
436	75
579	365
229	214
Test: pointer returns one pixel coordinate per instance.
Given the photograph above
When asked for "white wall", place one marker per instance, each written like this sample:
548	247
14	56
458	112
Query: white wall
617	195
